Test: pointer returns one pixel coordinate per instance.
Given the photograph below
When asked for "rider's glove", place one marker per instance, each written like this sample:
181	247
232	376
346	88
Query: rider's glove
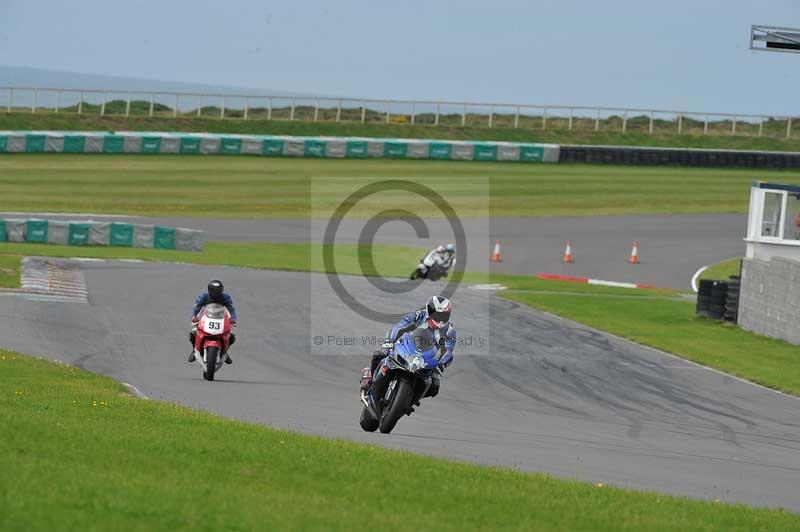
233	323
388	345
195	320
440	367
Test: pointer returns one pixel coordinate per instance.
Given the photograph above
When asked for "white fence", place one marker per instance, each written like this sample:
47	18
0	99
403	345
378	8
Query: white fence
365	110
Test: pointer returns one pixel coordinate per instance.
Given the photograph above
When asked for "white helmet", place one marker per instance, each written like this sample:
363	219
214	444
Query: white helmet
438	308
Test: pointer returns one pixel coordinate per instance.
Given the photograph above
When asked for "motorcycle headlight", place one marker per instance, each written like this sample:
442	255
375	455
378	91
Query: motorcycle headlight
416	363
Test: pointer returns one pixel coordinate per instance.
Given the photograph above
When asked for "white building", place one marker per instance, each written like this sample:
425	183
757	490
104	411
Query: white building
769	300
773	223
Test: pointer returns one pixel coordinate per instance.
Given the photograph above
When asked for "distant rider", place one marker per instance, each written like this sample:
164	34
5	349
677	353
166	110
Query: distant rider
444	256
215	293
435	315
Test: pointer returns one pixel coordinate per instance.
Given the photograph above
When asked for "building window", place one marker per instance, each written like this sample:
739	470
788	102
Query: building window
771	218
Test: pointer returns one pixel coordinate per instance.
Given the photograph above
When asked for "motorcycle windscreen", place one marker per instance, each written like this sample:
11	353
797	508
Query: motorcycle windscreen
425	343
215	311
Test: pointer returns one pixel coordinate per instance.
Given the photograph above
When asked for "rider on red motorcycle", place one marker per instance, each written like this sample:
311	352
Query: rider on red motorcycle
214	294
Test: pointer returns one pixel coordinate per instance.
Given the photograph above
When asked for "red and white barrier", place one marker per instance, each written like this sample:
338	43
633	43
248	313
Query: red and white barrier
587	280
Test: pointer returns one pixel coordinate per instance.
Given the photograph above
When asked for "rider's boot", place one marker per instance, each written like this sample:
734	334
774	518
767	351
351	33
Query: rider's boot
192	336
366	378
228	359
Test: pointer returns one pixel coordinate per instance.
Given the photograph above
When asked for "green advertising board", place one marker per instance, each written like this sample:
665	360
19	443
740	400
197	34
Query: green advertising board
272	147
395	150
440	150
190	145
151	145
113	144
230	146
74	143
163	237
484	152
120	234
36	231
34	143
78	234
314	148
356	149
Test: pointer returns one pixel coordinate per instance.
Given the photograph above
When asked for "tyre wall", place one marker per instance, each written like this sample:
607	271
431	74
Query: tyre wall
677	157
89	233
272	146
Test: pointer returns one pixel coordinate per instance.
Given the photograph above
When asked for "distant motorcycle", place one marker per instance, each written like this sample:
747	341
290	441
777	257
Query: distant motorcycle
434	273
401	381
213	338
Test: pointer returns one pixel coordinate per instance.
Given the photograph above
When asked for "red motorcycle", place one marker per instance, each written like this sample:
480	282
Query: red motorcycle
212	338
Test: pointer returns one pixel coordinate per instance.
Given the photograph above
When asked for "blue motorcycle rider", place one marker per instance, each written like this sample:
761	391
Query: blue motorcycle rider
215	293
435	316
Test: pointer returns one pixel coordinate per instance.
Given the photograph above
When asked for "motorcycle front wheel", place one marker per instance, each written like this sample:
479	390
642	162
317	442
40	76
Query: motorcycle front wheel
211	363
397	408
367	422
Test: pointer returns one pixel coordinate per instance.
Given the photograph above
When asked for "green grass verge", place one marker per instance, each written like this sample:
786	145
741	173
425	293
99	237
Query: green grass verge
10	271
531	284
255	187
389	260
773	139
722	270
78	454
671	325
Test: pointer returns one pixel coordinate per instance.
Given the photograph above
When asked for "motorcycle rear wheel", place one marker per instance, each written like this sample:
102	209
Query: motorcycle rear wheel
401	401
211	363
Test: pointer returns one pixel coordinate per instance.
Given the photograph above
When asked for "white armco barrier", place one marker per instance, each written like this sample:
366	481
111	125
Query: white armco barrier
273	146
92	233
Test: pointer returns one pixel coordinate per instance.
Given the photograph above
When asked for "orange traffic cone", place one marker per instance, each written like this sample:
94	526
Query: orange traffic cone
568	253
496	252
634	258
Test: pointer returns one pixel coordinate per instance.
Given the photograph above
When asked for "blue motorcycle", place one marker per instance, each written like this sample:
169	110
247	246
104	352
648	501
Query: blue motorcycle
400	381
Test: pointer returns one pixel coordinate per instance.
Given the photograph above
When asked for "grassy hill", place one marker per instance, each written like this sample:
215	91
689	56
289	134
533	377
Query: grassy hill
450	128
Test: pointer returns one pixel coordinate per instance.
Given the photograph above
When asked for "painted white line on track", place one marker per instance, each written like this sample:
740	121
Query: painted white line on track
696	275
617	284
495	286
134	390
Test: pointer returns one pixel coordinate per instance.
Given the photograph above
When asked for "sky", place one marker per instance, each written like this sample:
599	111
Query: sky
682	54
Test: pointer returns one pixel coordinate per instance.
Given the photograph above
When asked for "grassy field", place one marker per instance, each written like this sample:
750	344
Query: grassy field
671	325
610	133
252	187
80	454
389	261
722	270
9	271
